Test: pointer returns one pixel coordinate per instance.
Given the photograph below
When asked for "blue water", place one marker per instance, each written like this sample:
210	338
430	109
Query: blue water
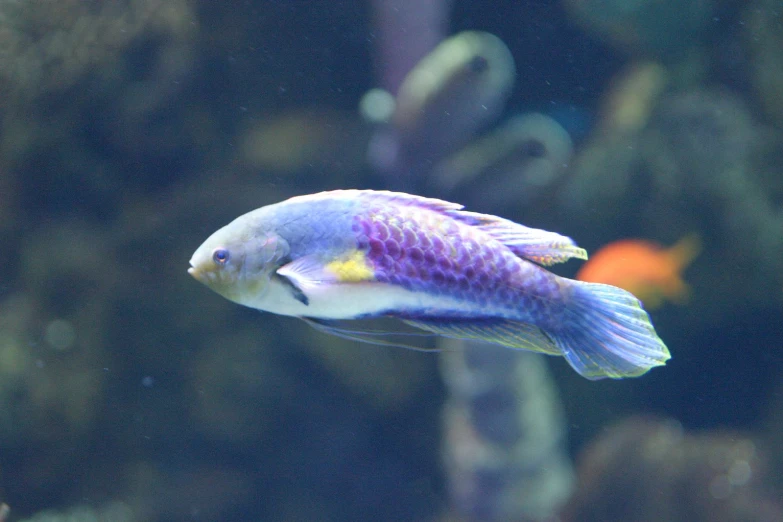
130	391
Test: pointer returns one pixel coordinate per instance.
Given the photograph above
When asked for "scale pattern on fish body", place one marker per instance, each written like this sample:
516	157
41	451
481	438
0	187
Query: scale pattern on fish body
422	250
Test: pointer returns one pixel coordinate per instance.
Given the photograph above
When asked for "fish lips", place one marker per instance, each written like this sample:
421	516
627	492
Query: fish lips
195	273
198	273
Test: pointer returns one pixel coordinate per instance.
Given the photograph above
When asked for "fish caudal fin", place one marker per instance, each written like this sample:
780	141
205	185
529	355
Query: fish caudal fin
607	333
684	251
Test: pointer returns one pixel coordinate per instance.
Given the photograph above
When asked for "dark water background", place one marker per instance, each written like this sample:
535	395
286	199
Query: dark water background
133	129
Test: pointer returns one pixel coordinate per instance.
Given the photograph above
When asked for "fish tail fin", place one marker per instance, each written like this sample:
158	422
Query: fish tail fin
681	254
607	333
684	251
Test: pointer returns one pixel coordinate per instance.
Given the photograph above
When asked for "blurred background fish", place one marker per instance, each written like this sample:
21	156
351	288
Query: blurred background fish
648	270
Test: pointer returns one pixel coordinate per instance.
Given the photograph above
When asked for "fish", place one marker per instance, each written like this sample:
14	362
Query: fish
340	256
647	269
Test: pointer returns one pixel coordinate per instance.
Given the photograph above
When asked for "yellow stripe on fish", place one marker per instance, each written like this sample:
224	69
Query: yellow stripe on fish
352	269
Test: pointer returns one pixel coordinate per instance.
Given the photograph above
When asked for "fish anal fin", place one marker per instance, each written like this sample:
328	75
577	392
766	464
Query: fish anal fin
505	332
378	335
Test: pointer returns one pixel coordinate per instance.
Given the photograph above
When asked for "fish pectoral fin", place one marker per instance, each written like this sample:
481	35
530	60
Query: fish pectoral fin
379	334
540	246
309	272
506	332
296	292
306	272
302	276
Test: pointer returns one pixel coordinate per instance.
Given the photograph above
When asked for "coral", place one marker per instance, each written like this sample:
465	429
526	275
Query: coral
660	27
303	144
520	164
51	44
407	31
764	39
503	446
645	469
51	379
84	86
454	92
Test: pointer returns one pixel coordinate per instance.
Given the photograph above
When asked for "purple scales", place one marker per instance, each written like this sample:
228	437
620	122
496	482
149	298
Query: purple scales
422	249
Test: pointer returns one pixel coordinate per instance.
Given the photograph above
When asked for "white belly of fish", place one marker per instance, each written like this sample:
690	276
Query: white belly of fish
348	301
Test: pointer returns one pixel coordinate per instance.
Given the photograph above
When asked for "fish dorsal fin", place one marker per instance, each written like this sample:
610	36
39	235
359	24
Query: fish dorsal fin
543	247
385	196
540	246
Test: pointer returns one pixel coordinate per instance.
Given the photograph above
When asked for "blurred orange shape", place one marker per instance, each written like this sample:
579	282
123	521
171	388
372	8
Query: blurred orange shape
650	271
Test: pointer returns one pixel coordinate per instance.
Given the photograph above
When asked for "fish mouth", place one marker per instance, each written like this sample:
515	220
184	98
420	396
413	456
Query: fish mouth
202	274
193	271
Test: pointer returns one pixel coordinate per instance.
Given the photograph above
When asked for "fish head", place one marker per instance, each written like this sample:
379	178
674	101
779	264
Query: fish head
238	261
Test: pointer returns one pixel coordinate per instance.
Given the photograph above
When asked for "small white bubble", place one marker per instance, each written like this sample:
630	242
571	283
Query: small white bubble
740	473
377	106
148	381
60	334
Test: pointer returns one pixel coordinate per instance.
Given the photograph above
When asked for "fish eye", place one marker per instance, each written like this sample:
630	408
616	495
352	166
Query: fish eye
478	64
220	256
533	149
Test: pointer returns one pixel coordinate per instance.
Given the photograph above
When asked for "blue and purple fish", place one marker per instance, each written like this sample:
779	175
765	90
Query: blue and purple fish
355	254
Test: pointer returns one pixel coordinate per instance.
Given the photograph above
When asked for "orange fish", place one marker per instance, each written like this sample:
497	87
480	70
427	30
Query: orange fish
648	270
